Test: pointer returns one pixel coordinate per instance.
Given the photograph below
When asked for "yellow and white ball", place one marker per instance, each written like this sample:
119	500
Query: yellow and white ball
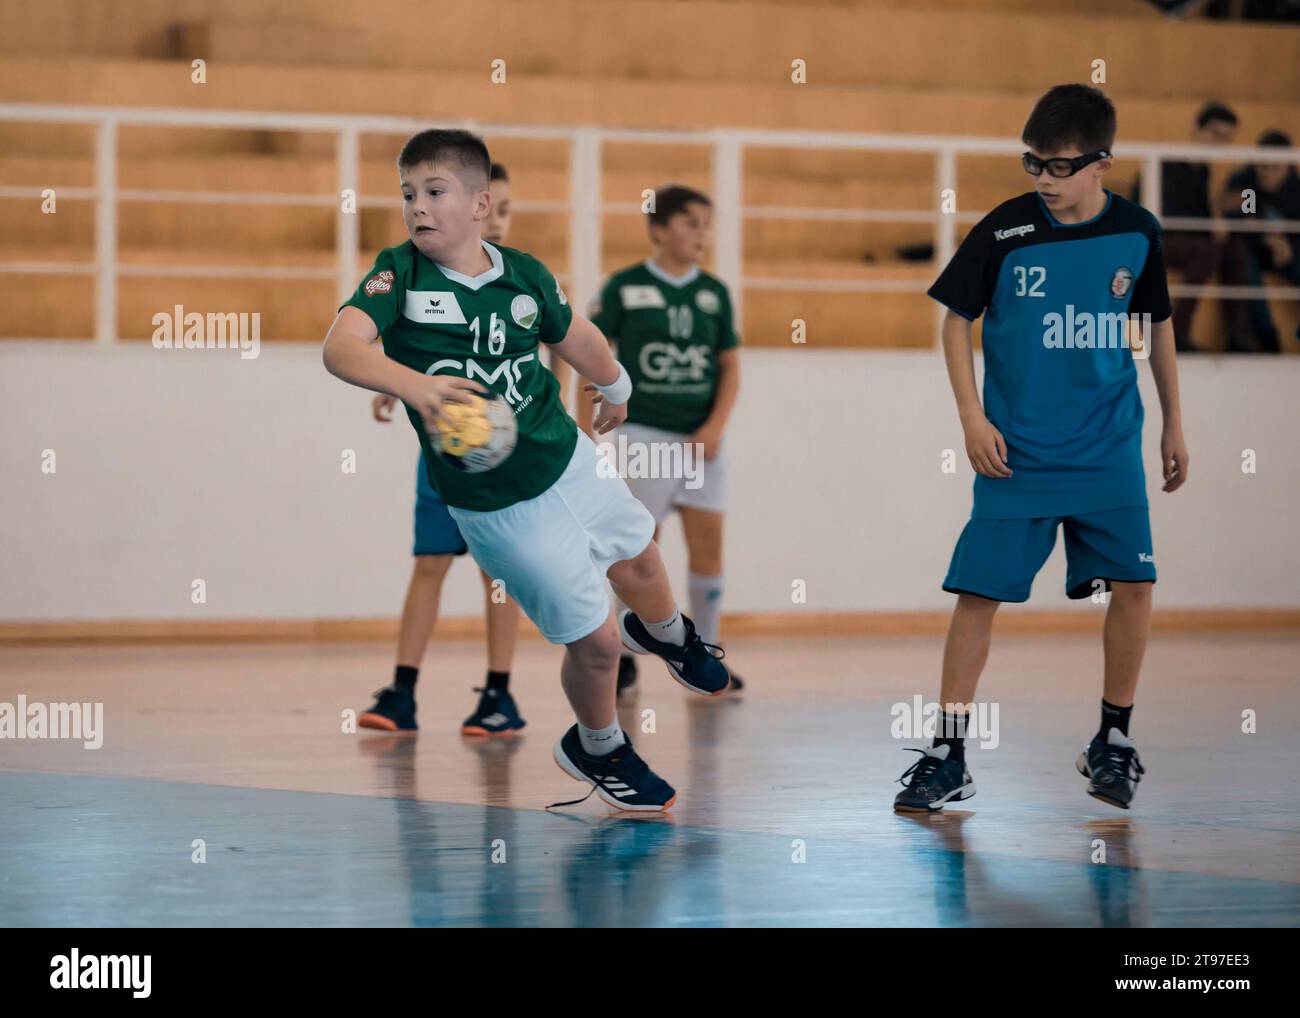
480	435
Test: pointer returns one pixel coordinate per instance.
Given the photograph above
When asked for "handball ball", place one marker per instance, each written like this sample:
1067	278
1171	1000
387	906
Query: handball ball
480	436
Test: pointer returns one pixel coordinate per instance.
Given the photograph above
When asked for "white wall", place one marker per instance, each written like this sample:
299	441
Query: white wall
173	465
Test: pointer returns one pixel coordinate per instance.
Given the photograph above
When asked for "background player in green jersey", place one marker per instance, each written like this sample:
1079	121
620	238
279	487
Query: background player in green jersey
671	323
437	542
458	316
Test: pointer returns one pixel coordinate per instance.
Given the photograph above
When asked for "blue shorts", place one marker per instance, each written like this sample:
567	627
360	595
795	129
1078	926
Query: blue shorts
999	559
436	532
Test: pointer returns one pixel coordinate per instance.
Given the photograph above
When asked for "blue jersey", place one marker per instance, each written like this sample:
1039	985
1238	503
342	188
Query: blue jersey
1059	379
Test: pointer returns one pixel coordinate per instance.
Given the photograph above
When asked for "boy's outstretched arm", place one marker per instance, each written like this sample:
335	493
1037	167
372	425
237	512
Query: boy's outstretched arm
1164	370
585	348
349	354
985	446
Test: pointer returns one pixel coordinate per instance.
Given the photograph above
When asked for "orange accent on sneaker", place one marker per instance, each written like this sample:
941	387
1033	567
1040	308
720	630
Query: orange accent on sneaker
370	720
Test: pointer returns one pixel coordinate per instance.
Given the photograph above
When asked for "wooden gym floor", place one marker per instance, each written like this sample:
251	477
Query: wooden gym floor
240	747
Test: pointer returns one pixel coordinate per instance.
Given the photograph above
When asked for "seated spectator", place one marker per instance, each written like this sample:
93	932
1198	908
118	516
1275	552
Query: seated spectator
1185	191
1275	188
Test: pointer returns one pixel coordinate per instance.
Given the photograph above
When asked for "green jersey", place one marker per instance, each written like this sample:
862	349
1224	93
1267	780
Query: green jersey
668	333
486	328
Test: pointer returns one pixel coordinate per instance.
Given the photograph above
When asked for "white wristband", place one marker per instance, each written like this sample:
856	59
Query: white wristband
619	390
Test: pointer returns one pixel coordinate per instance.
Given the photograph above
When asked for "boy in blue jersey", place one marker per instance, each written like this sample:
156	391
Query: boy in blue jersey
1059	273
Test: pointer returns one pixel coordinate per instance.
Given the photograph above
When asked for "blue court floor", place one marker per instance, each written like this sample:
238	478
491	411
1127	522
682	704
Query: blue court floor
225	794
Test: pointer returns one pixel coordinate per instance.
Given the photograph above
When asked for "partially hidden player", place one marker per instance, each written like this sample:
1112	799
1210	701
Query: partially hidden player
438	542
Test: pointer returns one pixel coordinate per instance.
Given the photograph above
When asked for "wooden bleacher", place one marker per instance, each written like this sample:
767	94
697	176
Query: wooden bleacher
872	66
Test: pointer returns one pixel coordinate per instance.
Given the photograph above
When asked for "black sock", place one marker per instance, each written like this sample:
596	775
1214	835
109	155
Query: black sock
1114	717
404	677
951	732
499	681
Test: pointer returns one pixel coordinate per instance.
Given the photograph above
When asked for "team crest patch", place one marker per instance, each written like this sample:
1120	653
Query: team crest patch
1120	283
380	282
707	301
523	309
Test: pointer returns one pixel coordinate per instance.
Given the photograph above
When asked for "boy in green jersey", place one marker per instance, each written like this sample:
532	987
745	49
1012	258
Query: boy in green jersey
461	316
671	323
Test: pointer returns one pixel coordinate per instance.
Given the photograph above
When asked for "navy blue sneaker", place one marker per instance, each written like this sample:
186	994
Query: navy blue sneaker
694	664
1112	768
621	778
936	781
496	714
394	711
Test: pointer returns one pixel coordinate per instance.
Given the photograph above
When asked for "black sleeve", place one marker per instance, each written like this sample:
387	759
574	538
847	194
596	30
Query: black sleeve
966	285
1151	291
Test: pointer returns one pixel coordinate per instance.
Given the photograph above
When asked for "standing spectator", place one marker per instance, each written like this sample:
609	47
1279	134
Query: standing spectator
1185	191
1275	188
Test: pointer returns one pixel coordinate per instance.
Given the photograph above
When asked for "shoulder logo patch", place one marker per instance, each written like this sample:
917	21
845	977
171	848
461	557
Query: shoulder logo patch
559	292
1120	282
708	302
523	309
380	282
635	297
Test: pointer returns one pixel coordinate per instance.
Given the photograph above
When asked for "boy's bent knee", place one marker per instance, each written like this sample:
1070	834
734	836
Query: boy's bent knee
599	648
642	567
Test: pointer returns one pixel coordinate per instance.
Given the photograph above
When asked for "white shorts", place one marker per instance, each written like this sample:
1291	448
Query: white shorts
552	552
705	487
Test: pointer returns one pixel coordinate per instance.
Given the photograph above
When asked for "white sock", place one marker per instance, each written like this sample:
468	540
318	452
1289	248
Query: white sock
671	630
706	605
601	741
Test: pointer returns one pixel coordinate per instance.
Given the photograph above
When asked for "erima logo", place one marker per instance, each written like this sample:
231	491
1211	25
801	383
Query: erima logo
433	307
1144	557
1015	231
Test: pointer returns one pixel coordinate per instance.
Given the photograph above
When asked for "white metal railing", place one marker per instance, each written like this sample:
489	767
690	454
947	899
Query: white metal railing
585	207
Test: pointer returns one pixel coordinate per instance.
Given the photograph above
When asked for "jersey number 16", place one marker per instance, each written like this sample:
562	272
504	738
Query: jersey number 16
496	334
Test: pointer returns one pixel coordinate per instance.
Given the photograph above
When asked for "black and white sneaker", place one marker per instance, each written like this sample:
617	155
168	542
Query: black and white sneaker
935	782
696	665
1112	767
621	778
495	715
